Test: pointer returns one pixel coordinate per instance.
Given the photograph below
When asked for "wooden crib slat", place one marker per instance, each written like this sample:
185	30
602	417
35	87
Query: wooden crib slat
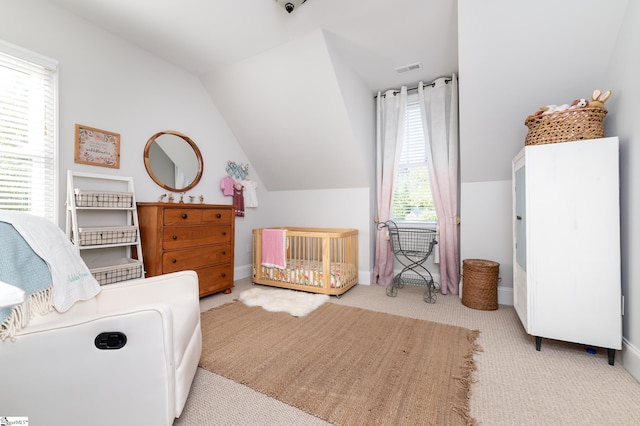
317	251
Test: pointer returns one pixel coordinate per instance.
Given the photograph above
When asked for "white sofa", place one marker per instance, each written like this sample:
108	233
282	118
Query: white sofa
54	373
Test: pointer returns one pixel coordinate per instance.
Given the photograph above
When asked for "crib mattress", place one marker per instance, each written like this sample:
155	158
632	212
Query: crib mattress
310	273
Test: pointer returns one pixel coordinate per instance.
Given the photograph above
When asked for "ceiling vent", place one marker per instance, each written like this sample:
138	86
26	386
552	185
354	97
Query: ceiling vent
410	67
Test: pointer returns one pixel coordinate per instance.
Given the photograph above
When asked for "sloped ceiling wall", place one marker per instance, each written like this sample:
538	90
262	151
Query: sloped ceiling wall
552	54
288	113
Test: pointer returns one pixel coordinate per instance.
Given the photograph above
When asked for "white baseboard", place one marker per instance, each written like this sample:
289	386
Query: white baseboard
240	272
630	359
505	296
365	277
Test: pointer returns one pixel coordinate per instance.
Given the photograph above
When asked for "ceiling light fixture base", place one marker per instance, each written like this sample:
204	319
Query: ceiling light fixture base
290	5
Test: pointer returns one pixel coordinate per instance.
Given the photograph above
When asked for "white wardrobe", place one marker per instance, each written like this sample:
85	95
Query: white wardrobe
566	228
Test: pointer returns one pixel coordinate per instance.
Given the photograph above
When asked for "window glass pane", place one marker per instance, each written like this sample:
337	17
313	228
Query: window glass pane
412	199
27	141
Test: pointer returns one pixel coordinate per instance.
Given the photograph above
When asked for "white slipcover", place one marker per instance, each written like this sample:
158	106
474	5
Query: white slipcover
54	374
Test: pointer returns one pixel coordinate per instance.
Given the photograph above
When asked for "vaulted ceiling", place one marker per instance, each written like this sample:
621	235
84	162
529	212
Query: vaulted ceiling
296	89
203	35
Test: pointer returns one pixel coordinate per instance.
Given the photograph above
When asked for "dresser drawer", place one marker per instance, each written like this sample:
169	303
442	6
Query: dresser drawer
191	236
180	260
214	279
184	216
214	216
187	236
187	216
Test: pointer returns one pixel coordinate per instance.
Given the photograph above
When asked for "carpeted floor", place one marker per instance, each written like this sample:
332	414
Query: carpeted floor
563	384
346	365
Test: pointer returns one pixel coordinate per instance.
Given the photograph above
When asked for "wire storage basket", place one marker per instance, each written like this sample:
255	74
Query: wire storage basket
125	269
89	198
480	284
98	235
565	126
411	248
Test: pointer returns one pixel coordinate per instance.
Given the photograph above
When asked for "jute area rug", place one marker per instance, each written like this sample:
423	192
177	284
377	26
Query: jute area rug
345	365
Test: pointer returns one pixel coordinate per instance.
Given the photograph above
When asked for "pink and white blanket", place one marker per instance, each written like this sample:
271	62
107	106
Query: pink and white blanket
274	245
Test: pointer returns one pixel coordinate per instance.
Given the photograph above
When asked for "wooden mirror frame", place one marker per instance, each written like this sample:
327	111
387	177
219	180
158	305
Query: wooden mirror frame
155	178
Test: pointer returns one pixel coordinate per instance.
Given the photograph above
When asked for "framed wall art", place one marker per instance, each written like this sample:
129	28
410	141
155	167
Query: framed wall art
97	147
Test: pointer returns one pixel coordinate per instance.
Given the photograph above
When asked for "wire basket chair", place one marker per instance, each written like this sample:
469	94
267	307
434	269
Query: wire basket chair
411	247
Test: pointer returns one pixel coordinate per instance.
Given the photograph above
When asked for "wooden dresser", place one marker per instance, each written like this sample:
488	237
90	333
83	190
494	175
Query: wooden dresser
199	237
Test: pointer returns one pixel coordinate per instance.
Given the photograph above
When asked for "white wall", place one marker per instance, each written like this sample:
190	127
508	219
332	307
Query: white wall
507	71
110	84
485	212
360	109
286	107
623	121
329	145
514	59
346	208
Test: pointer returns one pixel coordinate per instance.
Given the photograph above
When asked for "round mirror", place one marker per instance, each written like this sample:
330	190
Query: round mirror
173	161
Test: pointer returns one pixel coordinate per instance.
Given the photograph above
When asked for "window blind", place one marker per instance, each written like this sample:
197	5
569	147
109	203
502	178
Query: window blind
412	198
27	133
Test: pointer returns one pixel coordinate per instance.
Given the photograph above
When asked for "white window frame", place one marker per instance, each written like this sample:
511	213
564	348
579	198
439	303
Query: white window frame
412	100
51	186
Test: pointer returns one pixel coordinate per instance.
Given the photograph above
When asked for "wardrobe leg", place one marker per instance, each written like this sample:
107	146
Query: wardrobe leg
538	343
612	355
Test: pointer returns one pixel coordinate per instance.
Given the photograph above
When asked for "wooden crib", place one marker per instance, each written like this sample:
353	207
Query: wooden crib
318	260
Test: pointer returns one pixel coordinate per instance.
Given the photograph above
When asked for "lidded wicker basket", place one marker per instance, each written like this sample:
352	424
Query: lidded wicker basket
480	284
565	126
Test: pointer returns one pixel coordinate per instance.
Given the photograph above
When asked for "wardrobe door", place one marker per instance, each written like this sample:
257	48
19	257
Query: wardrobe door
520	240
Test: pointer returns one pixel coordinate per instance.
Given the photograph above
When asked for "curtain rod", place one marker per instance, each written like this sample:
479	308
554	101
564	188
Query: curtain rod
432	84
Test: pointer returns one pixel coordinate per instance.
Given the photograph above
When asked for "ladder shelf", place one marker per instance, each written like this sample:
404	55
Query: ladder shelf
102	222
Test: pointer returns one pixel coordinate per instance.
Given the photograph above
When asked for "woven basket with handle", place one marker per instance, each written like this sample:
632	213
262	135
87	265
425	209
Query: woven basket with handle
480	284
565	126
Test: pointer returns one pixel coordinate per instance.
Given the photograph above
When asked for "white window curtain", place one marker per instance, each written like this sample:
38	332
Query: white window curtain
28	85
440	123
391	116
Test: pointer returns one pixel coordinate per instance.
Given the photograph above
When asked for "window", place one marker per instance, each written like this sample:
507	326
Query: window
412	199
28	158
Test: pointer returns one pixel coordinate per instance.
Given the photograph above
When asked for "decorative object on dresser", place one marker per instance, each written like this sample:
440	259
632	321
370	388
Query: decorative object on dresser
103	224
317	260
199	237
566	245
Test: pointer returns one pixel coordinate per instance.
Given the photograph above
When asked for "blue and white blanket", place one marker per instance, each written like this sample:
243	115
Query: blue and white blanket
36	256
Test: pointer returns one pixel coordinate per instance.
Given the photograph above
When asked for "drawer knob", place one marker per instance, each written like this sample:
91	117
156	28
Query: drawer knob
174	260
218	215
184	215
224	234
223	275
224	253
175	237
